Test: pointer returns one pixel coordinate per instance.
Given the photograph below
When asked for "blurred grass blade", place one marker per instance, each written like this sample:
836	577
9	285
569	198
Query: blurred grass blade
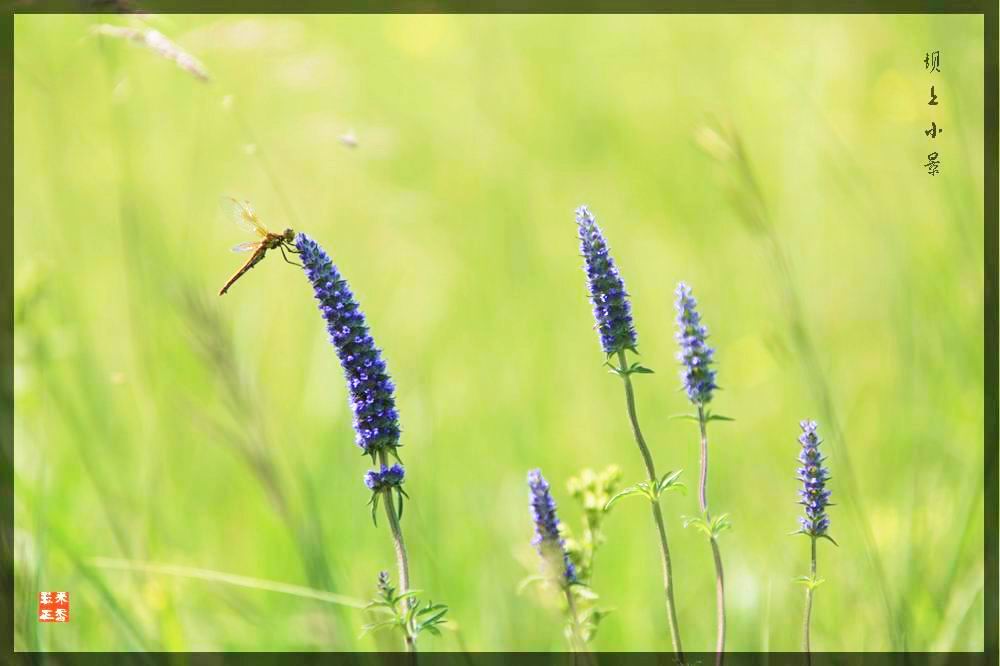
750	201
133	631
228	579
156	42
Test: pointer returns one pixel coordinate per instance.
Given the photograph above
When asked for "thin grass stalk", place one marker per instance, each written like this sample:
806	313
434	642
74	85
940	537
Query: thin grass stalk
720	581
809	604
250	439
647	459
757	216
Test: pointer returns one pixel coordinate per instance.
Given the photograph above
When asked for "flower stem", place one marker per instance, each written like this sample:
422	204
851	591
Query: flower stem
402	561
703	478
577	642
668	585
809	602
720	587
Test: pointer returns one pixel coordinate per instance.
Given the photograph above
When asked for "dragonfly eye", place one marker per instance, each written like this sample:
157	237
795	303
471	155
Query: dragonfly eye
289	235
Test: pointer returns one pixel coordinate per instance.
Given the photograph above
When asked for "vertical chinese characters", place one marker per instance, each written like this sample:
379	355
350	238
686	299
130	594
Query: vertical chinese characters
932	63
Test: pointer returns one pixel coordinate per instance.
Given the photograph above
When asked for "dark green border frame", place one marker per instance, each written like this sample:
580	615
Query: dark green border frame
989	10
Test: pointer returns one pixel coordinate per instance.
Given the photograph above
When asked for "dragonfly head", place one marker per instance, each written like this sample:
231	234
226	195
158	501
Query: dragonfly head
288	236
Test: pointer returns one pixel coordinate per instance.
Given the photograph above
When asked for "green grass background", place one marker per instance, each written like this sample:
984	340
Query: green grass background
159	423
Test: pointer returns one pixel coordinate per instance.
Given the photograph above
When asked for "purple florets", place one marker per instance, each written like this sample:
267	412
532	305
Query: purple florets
813	496
547	540
607	291
372	398
695	356
386	477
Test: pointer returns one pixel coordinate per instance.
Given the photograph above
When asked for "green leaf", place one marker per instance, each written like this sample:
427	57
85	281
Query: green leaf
712	530
720	523
678	486
369	628
434	619
686	417
811	582
670	477
718	417
830	539
406	595
635	368
430	608
409	617
670	482
595	615
639	488
374	502
698	523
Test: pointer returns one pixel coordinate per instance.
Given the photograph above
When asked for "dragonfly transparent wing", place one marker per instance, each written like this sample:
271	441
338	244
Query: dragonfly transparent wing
243	215
249	246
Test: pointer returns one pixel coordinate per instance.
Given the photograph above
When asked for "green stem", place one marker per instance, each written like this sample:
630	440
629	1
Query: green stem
809	602
720	586
402	561
668	586
703	475
577	643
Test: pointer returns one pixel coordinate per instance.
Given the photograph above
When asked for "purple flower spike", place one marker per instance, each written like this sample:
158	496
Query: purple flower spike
372	398
550	545
695	356
813	474
612	310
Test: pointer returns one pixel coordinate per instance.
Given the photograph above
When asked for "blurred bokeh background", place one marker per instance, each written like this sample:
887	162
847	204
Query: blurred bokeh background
166	437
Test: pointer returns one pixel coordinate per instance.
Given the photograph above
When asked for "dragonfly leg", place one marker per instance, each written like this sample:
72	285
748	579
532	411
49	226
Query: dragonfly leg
286	257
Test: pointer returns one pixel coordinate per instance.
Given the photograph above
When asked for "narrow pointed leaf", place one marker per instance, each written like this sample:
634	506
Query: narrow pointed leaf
632	490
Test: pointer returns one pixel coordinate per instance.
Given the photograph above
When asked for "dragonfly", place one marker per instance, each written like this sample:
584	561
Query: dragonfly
243	214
